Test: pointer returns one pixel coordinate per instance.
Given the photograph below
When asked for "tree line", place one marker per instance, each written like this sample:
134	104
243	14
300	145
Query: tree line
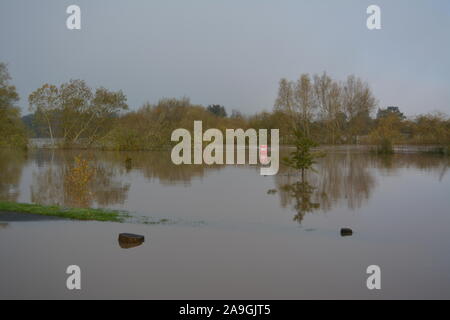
325	110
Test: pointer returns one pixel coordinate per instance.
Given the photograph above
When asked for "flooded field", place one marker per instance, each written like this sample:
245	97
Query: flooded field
229	232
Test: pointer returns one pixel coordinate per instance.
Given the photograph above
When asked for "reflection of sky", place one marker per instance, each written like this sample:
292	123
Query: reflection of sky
231	52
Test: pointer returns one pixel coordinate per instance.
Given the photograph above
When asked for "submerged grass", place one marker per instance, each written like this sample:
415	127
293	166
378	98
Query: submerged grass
68	213
88	214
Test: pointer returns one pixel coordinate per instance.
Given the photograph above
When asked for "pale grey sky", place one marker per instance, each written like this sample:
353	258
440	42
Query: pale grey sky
230	52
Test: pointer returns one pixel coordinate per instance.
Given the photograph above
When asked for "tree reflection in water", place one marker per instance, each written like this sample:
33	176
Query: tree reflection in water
11	166
109	184
301	193
345	179
337	177
56	184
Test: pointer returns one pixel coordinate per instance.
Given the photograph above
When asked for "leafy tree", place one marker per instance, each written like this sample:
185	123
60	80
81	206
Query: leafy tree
386	133
432	129
12	130
303	157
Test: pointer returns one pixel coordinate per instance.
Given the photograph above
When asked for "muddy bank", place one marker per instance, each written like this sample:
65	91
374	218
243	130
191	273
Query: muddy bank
17	216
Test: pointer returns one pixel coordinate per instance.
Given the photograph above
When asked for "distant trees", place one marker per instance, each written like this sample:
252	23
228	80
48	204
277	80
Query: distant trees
236	114
341	108
432	129
217	110
73	111
12	130
395	111
342	114
151	126
312	109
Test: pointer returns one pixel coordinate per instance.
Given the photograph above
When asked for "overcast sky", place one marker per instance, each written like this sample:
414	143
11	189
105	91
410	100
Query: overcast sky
230	52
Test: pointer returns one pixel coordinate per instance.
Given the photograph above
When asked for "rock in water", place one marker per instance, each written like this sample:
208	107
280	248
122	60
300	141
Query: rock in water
129	240
345	232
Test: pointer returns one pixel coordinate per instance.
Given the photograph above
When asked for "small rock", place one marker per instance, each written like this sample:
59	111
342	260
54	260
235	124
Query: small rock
129	240
346	232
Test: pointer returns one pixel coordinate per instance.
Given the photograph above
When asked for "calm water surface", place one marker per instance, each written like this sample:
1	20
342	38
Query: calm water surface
231	233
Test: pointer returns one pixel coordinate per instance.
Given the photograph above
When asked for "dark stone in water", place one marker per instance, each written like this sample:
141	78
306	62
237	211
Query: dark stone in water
346	232
129	240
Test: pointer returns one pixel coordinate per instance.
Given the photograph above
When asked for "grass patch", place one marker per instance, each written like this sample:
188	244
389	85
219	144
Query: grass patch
68	213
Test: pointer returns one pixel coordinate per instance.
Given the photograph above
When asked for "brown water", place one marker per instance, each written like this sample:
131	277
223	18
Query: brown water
231	233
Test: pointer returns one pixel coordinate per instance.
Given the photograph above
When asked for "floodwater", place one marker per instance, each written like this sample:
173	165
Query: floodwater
230	233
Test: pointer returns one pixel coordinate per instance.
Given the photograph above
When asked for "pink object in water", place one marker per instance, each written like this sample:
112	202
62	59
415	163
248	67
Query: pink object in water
263	154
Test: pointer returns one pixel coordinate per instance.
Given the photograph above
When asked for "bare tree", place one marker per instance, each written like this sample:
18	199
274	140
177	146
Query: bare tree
328	97
358	102
285	99
296	100
304	102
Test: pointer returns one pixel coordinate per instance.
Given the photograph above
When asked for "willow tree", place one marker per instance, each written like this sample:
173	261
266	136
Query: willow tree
74	111
45	103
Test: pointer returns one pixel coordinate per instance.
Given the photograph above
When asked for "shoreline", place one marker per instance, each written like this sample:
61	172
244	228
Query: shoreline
397	148
9	216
